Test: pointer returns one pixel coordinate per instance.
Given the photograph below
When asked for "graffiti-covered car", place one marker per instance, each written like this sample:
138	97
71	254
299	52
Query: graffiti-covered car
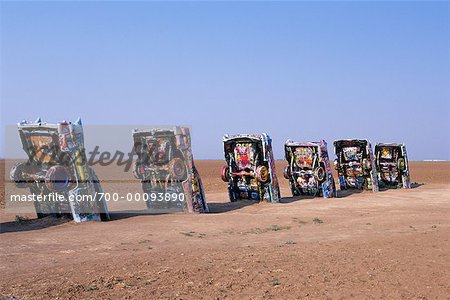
250	170
57	170
165	166
355	165
308	169
392	165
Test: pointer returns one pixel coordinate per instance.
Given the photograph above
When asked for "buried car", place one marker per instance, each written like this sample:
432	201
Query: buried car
355	165
57	171
165	166
308	169
392	167
250	170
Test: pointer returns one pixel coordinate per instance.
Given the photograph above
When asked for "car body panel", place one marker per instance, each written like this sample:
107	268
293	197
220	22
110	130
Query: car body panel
355	164
165	165
57	164
309	170
392	165
250	170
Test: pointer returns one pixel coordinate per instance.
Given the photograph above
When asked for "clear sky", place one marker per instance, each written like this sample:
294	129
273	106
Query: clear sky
299	70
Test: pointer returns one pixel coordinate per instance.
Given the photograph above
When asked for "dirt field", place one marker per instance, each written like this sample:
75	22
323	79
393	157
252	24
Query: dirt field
392	244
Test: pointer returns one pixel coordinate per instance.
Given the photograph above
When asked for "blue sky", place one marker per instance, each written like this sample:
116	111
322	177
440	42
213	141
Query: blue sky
299	70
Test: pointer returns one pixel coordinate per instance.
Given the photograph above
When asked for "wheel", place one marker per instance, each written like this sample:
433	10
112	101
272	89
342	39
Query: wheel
320	173
401	164
262	174
17	174
58	179
287	172
225	173
177	169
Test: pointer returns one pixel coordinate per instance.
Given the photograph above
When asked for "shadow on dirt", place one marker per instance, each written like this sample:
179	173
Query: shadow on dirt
217	208
349	192
24	224
284	200
119	215
415	185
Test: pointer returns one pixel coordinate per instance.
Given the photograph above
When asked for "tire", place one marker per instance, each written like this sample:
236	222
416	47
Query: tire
17	175
262	174
224	173
177	169
401	164
58	179
287	172
320	174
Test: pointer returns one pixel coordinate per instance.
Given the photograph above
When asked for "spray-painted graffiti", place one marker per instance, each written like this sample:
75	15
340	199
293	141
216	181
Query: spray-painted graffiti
392	165
57	165
308	169
250	170
165	166
355	165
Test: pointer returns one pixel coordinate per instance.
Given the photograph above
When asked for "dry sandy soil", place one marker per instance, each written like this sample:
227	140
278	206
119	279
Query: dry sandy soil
392	244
